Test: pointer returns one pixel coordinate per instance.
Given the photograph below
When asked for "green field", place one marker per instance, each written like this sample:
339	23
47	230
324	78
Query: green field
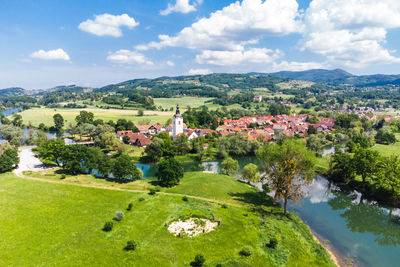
183	102
48	223
389	150
45	115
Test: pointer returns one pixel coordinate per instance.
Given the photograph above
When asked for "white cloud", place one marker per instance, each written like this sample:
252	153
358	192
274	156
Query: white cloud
107	24
351	32
181	6
199	71
298	66
235	26
57	54
229	58
124	56
170	63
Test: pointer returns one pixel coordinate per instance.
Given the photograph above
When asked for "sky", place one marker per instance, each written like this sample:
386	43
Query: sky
46	43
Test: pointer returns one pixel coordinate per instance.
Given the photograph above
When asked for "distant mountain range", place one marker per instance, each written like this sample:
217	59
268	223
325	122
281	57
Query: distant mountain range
340	77
335	77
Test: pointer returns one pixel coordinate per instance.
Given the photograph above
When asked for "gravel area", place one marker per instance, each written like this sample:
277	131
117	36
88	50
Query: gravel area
28	161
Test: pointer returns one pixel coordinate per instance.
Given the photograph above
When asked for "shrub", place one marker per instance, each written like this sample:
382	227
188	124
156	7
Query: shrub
141	199
224	206
108	226
246	251
185	198
119	215
153	191
63	176
131	245
198	261
273	242
130	205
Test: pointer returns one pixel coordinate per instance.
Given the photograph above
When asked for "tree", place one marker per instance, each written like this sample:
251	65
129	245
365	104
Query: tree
58	122
52	150
125	169
311	130
230	166
182	144
12	134
40	138
84	117
199	261
74	158
140	112
343	169
288	166
169	172
389	174
17	121
94	158
154	149
126	139
385	137
366	162
8	159
250	173
104	165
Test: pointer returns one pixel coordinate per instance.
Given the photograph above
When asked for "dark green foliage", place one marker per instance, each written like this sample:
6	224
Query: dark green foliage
125	125
63	176
343	169
126	139
169	172
108	226
385	137
74	158
246	251
141	199
154	150
273	242
278	109
185	198
58	122
129	208
130	245
199	261
153	191
124	168
84	117
52	150
224	206
8	160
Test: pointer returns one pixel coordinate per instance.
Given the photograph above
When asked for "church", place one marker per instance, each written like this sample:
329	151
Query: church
177	123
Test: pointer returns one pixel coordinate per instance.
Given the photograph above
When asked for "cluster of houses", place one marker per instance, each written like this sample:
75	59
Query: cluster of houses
254	127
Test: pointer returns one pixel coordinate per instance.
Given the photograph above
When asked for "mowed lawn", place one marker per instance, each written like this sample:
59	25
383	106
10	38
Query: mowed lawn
389	150
45	115
47	224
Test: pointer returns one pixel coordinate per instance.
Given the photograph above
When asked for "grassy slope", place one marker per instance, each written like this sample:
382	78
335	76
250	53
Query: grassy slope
58	224
45	115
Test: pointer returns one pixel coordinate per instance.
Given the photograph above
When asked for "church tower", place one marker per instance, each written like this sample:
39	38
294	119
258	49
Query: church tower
177	123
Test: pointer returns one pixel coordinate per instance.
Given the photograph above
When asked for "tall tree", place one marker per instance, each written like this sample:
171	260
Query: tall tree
229	166
52	150
251	173
58	122
124	168
84	117
288	166
366	162
169	172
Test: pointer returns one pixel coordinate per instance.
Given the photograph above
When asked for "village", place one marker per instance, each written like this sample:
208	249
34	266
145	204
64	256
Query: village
264	128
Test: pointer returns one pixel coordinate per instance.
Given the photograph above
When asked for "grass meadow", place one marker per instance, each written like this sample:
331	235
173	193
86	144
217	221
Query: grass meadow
47	224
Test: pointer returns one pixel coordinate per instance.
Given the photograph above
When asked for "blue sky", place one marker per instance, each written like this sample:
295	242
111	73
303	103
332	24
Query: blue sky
95	43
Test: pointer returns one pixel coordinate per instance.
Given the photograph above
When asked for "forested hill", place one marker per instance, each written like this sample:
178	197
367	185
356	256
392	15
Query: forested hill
340	77
14	91
211	85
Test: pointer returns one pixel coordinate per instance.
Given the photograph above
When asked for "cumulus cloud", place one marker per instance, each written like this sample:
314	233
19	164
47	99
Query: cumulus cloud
351	32
181	6
170	63
124	56
233	27
199	71
227	58
298	66
56	54
108	25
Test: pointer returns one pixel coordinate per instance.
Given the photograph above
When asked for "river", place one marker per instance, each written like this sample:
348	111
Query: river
362	231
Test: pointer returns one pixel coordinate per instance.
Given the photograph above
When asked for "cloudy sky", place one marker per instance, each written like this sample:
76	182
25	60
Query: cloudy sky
44	43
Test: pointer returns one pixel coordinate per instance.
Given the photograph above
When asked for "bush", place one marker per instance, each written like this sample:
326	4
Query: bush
198	261
246	251
119	215
108	226
131	245
224	206
185	198
63	176
153	191
141	199
273	242
130	205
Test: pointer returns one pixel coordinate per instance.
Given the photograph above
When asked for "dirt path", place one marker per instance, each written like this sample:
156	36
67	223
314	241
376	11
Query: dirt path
21	175
28	161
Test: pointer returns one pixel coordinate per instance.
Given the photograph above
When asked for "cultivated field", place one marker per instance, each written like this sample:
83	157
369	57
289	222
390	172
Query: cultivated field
55	223
45	115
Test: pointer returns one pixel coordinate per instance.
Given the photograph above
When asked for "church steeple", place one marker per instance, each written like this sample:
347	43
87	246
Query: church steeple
177	110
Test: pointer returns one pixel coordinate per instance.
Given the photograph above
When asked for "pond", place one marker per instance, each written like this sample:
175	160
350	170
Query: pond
364	231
